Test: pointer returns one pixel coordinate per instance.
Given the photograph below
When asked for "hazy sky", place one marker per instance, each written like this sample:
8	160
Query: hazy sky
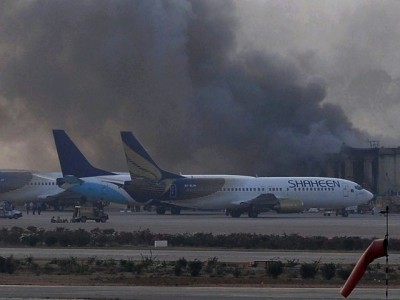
238	87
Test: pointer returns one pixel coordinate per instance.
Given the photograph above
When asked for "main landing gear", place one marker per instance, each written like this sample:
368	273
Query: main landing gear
344	213
253	213
236	213
161	210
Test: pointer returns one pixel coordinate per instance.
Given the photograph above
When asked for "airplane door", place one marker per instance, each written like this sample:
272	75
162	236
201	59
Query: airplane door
345	191
172	191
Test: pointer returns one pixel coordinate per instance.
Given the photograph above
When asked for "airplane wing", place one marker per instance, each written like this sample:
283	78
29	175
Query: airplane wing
269	201
69	181
263	200
118	182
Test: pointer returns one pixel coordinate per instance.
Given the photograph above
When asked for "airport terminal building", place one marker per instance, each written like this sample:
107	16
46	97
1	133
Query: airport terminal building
376	169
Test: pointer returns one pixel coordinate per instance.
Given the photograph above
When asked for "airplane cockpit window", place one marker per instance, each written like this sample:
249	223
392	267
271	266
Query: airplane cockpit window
358	187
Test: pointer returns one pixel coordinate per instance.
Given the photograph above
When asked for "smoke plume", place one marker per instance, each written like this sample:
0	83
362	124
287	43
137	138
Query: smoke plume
179	74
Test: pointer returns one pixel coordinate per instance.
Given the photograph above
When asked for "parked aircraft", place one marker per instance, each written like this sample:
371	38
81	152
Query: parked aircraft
20	186
80	177
151	185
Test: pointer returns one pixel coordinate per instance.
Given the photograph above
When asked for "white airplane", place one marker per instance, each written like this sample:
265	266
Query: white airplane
20	186
236	194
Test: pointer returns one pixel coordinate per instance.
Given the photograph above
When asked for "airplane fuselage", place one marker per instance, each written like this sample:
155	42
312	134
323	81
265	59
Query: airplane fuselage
225	191
22	186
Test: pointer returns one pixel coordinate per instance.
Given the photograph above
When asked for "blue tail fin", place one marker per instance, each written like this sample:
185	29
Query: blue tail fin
71	159
140	164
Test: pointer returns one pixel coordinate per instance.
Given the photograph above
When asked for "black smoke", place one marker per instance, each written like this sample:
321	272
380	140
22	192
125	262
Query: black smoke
171	72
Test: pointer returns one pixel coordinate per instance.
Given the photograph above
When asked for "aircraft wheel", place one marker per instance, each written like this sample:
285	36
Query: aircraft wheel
83	219
103	219
235	213
160	210
175	211
253	213
345	213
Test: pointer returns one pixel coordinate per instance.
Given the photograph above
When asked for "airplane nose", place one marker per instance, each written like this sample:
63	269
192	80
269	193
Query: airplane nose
368	195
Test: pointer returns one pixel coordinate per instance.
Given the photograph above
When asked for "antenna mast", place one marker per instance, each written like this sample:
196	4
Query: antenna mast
386	213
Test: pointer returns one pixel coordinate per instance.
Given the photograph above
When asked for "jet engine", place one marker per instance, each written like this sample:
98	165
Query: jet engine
286	206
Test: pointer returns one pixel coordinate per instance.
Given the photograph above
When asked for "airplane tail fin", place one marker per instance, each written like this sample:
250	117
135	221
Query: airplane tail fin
140	164
72	161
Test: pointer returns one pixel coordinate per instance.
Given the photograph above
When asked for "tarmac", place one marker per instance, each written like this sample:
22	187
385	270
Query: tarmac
306	224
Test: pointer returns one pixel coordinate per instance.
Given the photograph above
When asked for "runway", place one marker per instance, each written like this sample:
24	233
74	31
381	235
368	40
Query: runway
183	293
